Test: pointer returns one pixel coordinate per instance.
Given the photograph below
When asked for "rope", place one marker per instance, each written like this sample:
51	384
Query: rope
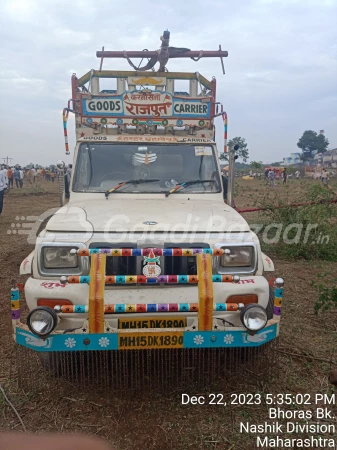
199	57
294	205
148	66
169	52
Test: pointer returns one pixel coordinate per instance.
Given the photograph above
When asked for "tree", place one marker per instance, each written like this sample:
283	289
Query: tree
310	143
256	164
243	151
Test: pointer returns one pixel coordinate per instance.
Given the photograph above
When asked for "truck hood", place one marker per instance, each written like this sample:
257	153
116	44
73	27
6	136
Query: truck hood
123	215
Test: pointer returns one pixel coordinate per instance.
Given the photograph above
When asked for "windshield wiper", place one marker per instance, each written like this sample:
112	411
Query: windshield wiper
187	183
123	183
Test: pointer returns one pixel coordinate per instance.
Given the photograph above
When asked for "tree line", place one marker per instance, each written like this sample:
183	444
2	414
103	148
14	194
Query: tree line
310	143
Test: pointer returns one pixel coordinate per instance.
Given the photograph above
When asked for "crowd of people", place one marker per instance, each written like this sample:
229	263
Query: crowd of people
16	176
270	176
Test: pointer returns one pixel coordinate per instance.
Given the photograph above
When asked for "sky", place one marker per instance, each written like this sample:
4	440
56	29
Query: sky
281	72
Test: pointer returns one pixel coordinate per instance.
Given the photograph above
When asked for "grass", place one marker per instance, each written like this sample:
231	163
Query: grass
158	421
307	232
37	188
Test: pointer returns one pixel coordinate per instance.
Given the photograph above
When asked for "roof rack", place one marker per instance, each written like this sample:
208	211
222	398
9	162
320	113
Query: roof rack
162	55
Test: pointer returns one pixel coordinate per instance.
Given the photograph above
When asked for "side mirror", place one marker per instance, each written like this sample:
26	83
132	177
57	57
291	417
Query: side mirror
60	164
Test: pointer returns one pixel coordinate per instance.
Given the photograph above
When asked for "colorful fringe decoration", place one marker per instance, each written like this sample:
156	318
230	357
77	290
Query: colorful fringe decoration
15	305
132	279
65	131
225	123
156	251
278	302
148	308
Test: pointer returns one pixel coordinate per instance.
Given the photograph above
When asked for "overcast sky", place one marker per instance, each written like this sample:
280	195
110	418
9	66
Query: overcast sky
281	73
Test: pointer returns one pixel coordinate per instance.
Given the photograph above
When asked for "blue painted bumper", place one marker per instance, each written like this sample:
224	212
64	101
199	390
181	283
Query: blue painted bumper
113	341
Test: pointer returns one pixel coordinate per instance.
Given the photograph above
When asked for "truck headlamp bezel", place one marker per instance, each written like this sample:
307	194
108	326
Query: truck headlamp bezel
82	267
249	309
60	262
48	313
249	269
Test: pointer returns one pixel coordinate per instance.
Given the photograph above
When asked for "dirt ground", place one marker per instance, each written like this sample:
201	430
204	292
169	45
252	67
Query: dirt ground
148	420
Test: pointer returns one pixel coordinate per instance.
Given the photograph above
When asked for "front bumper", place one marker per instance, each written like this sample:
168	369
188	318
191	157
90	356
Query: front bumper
146	339
181	295
223	335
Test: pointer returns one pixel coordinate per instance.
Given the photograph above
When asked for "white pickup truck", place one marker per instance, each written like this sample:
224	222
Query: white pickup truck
146	254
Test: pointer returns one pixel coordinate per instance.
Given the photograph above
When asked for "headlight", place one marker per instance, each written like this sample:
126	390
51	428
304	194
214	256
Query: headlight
253	317
237	257
42	321
59	257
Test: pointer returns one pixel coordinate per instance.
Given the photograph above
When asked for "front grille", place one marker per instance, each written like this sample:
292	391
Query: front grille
119	265
185	265
133	265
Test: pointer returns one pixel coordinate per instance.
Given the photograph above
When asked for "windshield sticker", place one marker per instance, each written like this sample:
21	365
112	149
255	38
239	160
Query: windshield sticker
143	158
151	265
203	151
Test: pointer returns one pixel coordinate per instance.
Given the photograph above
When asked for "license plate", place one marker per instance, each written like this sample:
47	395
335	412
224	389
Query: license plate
137	341
152	322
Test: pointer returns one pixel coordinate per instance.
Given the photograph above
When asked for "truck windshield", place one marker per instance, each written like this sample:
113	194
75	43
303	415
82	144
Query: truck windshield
102	166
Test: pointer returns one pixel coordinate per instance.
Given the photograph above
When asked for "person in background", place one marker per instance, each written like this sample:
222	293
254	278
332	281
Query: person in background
21	177
16	175
285	175
52	175
47	174
271	176
10	177
33	172
5	172
297	174
70	170
3	186
43	171
325	177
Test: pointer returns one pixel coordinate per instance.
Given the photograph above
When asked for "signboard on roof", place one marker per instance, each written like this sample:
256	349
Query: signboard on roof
155	105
